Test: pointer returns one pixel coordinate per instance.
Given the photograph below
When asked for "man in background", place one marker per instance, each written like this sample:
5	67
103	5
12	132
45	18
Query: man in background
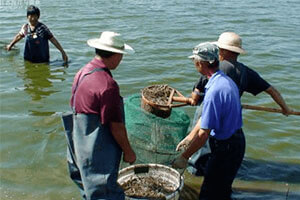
36	36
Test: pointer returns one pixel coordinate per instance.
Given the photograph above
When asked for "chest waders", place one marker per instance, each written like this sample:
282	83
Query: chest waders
36	47
93	154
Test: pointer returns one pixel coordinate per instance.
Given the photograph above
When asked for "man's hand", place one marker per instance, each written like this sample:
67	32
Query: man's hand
180	162
119	133
193	102
129	157
183	144
286	111
276	96
65	58
8	47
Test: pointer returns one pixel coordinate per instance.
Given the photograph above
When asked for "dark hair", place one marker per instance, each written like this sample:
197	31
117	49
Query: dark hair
103	53
33	10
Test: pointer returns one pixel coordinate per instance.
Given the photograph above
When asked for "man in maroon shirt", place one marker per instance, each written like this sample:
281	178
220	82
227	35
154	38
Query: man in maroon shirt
99	135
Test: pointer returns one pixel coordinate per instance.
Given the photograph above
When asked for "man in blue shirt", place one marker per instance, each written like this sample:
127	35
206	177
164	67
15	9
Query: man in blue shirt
246	79
221	121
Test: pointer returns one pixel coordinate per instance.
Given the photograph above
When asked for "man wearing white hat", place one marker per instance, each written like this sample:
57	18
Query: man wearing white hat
247	80
230	47
99	136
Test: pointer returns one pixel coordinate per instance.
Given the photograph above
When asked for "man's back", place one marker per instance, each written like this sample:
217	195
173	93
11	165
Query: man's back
221	106
245	78
97	93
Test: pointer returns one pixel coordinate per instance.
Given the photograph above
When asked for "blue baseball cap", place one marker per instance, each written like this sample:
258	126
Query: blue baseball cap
206	51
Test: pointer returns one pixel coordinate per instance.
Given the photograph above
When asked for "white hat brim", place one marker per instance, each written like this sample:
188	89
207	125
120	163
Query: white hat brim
99	45
192	56
230	48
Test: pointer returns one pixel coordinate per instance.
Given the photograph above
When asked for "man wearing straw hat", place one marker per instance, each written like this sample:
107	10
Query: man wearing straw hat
221	121
247	80
99	136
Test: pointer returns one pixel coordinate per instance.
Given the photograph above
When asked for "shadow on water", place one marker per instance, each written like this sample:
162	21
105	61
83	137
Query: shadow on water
190	193
256	179
246	194
253	169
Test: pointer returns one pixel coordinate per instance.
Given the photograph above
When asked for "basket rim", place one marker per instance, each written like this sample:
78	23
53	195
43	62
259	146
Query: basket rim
152	103
153	165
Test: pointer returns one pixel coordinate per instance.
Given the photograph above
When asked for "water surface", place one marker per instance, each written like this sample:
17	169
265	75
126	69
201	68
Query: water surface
163	33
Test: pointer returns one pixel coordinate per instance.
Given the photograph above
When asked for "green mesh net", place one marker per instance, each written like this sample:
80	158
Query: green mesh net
154	139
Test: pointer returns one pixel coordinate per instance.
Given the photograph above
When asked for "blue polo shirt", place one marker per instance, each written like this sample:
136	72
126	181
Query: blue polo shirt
221	107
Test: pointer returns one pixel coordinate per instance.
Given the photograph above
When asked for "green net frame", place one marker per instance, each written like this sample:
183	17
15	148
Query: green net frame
154	139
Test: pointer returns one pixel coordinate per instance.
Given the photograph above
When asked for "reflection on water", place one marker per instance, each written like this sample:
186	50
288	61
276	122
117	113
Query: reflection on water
39	83
39	113
36	80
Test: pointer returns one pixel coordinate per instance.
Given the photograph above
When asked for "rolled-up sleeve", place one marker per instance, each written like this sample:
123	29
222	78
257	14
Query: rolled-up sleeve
23	30
256	84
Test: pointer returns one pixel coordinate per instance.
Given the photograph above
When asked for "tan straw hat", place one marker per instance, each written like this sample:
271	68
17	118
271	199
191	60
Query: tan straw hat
231	42
110	41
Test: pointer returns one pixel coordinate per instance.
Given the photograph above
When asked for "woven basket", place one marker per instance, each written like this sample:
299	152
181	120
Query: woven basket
160	110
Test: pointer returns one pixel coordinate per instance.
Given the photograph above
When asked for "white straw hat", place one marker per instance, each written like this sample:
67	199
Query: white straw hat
231	42
110	41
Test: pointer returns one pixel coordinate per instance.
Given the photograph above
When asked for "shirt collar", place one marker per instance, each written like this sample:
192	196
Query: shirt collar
212	78
99	64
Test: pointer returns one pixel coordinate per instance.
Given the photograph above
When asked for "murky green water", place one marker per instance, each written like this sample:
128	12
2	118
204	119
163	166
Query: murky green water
163	33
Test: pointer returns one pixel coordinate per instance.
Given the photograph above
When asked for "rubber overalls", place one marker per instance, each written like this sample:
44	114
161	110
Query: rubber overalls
93	156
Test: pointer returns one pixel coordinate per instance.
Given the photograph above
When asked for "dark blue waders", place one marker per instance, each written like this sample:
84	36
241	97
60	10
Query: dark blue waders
222	166
218	161
36	48
93	157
